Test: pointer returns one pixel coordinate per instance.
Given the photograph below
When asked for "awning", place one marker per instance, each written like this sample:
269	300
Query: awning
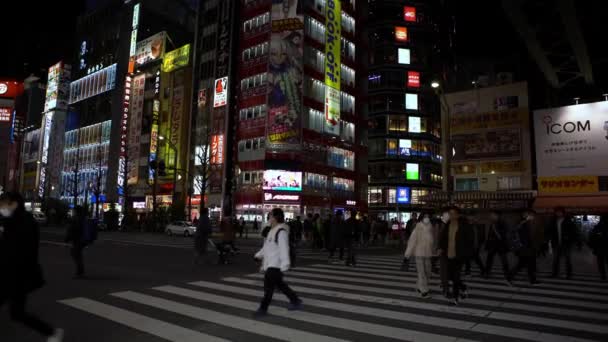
584	204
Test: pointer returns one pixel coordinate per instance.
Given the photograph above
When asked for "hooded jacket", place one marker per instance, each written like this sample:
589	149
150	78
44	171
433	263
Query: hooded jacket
275	252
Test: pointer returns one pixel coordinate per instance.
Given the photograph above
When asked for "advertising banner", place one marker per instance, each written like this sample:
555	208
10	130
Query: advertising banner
150	49
505	143
135	122
154	131
5	114
568	184
282	180
403	195
464	120
572	140
220	92
177	109
333	38
57	87
176	59
285	75
217	149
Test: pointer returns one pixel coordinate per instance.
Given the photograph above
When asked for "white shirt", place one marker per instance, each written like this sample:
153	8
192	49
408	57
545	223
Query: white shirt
276	254
559	230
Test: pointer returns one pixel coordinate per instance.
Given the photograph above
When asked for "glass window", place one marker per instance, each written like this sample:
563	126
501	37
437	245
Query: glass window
509	183
398	124
392	195
375	195
467	184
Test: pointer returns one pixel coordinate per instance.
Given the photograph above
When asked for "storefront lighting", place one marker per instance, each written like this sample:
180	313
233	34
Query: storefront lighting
435	85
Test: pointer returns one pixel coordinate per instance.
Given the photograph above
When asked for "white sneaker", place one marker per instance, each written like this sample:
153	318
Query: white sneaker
57	336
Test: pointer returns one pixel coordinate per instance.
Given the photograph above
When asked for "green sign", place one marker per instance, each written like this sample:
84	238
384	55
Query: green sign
176	59
412	172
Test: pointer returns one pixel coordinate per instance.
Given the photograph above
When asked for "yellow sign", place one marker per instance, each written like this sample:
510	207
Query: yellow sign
568	184
176	59
472	121
333	37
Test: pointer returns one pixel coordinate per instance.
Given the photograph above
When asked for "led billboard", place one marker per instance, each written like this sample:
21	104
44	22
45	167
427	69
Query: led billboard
282	180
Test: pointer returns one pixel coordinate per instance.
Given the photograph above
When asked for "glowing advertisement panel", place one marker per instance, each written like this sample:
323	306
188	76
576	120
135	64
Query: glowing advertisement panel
176	59
220	92
150	49
403	195
403	56
333	24
412	171
401	34
94	84
282	180
285	75
135	122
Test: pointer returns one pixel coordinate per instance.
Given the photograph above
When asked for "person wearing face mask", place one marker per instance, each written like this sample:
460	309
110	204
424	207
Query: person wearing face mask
21	270
421	245
275	259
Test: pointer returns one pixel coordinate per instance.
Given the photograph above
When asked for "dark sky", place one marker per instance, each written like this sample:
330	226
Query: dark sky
48	39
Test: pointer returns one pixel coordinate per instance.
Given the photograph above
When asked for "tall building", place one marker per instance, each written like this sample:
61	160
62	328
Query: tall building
404	138
297	142
11	116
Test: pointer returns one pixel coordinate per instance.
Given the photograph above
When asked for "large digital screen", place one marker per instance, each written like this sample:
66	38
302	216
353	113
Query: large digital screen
412	171
282	180
404	195
404	56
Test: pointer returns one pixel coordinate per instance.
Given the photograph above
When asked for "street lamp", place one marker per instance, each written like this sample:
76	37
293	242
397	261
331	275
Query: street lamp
435	84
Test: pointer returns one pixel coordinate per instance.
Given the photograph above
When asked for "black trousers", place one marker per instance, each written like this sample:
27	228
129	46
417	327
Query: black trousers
559	253
76	253
477	260
349	245
602	261
273	278
454	275
529	262
18	314
503	259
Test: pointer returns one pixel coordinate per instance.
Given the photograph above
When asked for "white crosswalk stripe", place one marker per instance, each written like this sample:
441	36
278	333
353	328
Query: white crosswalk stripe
367	303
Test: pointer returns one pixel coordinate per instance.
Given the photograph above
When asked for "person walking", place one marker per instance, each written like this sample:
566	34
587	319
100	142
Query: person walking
256	225
478	235
75	235
366	230
336	236
443	260
456	244
496	243
562	235
275	259
241	226
308	228
350	236
598	241
421	245
202	234
525	238
19	264
317	240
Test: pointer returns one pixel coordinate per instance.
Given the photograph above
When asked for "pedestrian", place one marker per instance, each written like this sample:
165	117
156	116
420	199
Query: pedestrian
525	241
421	246
350	236
443	260
298	230
497	243
256	225
478	234
241	226
275	259
20	267
317	241
75	235
598	241
326	230
456	243
562	235
336	238
366	230
202	234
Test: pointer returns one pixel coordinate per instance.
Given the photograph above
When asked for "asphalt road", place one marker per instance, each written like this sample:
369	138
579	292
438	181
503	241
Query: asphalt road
145	288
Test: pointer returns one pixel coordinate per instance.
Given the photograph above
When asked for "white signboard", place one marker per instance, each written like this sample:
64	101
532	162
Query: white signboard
572	140
220	93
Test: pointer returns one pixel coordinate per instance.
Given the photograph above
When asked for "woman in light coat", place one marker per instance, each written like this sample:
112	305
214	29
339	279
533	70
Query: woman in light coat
421	245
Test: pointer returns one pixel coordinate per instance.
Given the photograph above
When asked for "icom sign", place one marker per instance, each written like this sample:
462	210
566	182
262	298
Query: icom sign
571	140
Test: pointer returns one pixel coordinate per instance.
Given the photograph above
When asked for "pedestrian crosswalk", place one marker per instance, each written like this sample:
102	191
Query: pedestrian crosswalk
374	301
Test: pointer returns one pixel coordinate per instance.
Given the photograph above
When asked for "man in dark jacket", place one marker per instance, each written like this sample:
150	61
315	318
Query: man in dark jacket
496	243
598	241
456	243
75	235
528	247
562	235
201	236
336	235
351	233
21	270
478	239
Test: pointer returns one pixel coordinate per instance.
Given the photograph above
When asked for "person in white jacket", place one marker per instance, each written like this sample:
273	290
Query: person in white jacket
421	245
276	260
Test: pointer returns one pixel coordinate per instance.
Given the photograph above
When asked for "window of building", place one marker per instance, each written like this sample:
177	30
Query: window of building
255	52
253	112
348	23
256	22
254	81
347	103
314	89
375	195
348	48
341	158
315	181
314	29
418	194
392	196
509	183
467	184
391	147
343	184
347	75
347	131
397	124
411	101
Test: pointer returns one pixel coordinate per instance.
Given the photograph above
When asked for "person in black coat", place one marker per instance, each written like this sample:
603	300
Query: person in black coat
75	235
456	244
497	243
351	237
202	234
528	247
21	270
598	241
562	234
336	235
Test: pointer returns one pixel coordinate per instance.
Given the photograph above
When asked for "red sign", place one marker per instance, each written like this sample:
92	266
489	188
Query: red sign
401	33
413	79
202	98
5	114
409	13
217	149
10	89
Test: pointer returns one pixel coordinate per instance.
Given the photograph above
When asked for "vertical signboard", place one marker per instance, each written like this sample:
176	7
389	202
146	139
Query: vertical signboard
409	13
217	149
47	124
135	121
220	92
401	33
155	124
333	37
285	76
177	108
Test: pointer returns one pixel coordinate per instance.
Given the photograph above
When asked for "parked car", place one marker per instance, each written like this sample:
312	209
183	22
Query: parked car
40	218
180	228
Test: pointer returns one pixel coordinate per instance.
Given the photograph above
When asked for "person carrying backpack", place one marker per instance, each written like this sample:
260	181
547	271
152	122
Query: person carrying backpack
275	258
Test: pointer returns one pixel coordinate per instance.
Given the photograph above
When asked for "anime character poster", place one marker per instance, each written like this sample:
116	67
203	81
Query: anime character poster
285	75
